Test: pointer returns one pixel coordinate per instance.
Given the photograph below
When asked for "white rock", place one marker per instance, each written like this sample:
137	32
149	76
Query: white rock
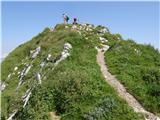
9	76
105	47
35	52
12	115
16	68
22	72
48	57
26	93
104	30
38	77
65	53
80	27
32	51
66	27
26	97
67	46
118	38
103	40
74	27
64	56
2	86
27	70
42	64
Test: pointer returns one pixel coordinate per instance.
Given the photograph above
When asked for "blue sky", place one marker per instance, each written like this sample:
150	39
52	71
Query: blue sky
23	20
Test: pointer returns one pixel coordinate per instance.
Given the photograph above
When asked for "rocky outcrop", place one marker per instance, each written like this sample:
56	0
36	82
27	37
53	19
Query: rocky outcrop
38	76
65	53
35	52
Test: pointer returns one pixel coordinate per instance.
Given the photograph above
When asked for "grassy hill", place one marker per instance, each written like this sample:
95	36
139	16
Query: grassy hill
138	68
75	88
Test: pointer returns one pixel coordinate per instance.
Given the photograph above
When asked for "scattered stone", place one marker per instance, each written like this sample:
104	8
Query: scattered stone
105	48
48	57
103	40
104	30
12	115
35	52
43	64
9	76
74	27
98	49
67	46
65	53
23	73
26	97
86	38
16	68
27	70
2	86
88	29
137	51
66	27
118	38
38	77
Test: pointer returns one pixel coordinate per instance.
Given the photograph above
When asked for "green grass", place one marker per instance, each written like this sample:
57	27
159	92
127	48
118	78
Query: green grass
75	89
137	67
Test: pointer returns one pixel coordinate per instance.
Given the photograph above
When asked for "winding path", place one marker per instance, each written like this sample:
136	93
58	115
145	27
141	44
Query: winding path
112	81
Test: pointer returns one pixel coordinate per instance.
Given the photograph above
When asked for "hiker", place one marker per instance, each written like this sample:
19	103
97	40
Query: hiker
65	18
75	21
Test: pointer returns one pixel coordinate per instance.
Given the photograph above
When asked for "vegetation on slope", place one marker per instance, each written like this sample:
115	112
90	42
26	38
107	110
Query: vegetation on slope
137	67
75	89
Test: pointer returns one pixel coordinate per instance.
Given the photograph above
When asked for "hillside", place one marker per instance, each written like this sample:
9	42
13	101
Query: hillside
57	72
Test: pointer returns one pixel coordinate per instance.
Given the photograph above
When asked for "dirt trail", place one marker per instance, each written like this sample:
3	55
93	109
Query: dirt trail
111	80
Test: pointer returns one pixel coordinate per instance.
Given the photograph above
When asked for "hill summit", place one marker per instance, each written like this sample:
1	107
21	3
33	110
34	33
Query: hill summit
81	72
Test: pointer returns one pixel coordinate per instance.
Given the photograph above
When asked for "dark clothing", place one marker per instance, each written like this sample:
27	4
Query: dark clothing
75	21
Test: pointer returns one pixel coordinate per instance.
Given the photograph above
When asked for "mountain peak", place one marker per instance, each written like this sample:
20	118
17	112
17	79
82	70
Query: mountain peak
57	72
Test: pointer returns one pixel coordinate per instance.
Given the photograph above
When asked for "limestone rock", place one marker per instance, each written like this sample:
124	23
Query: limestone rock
48	57
26	97
12	115
2	86
103	40
35	52
38	77
16	68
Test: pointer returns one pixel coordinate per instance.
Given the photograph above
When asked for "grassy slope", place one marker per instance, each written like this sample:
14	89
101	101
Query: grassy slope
75	89
137	67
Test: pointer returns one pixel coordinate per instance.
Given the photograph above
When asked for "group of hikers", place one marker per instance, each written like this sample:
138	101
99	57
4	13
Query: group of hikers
66	19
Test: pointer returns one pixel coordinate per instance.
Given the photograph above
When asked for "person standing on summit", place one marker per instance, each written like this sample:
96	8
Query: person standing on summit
65	18
75	21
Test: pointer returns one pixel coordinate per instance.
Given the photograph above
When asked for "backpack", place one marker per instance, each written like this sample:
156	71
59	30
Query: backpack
67	18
